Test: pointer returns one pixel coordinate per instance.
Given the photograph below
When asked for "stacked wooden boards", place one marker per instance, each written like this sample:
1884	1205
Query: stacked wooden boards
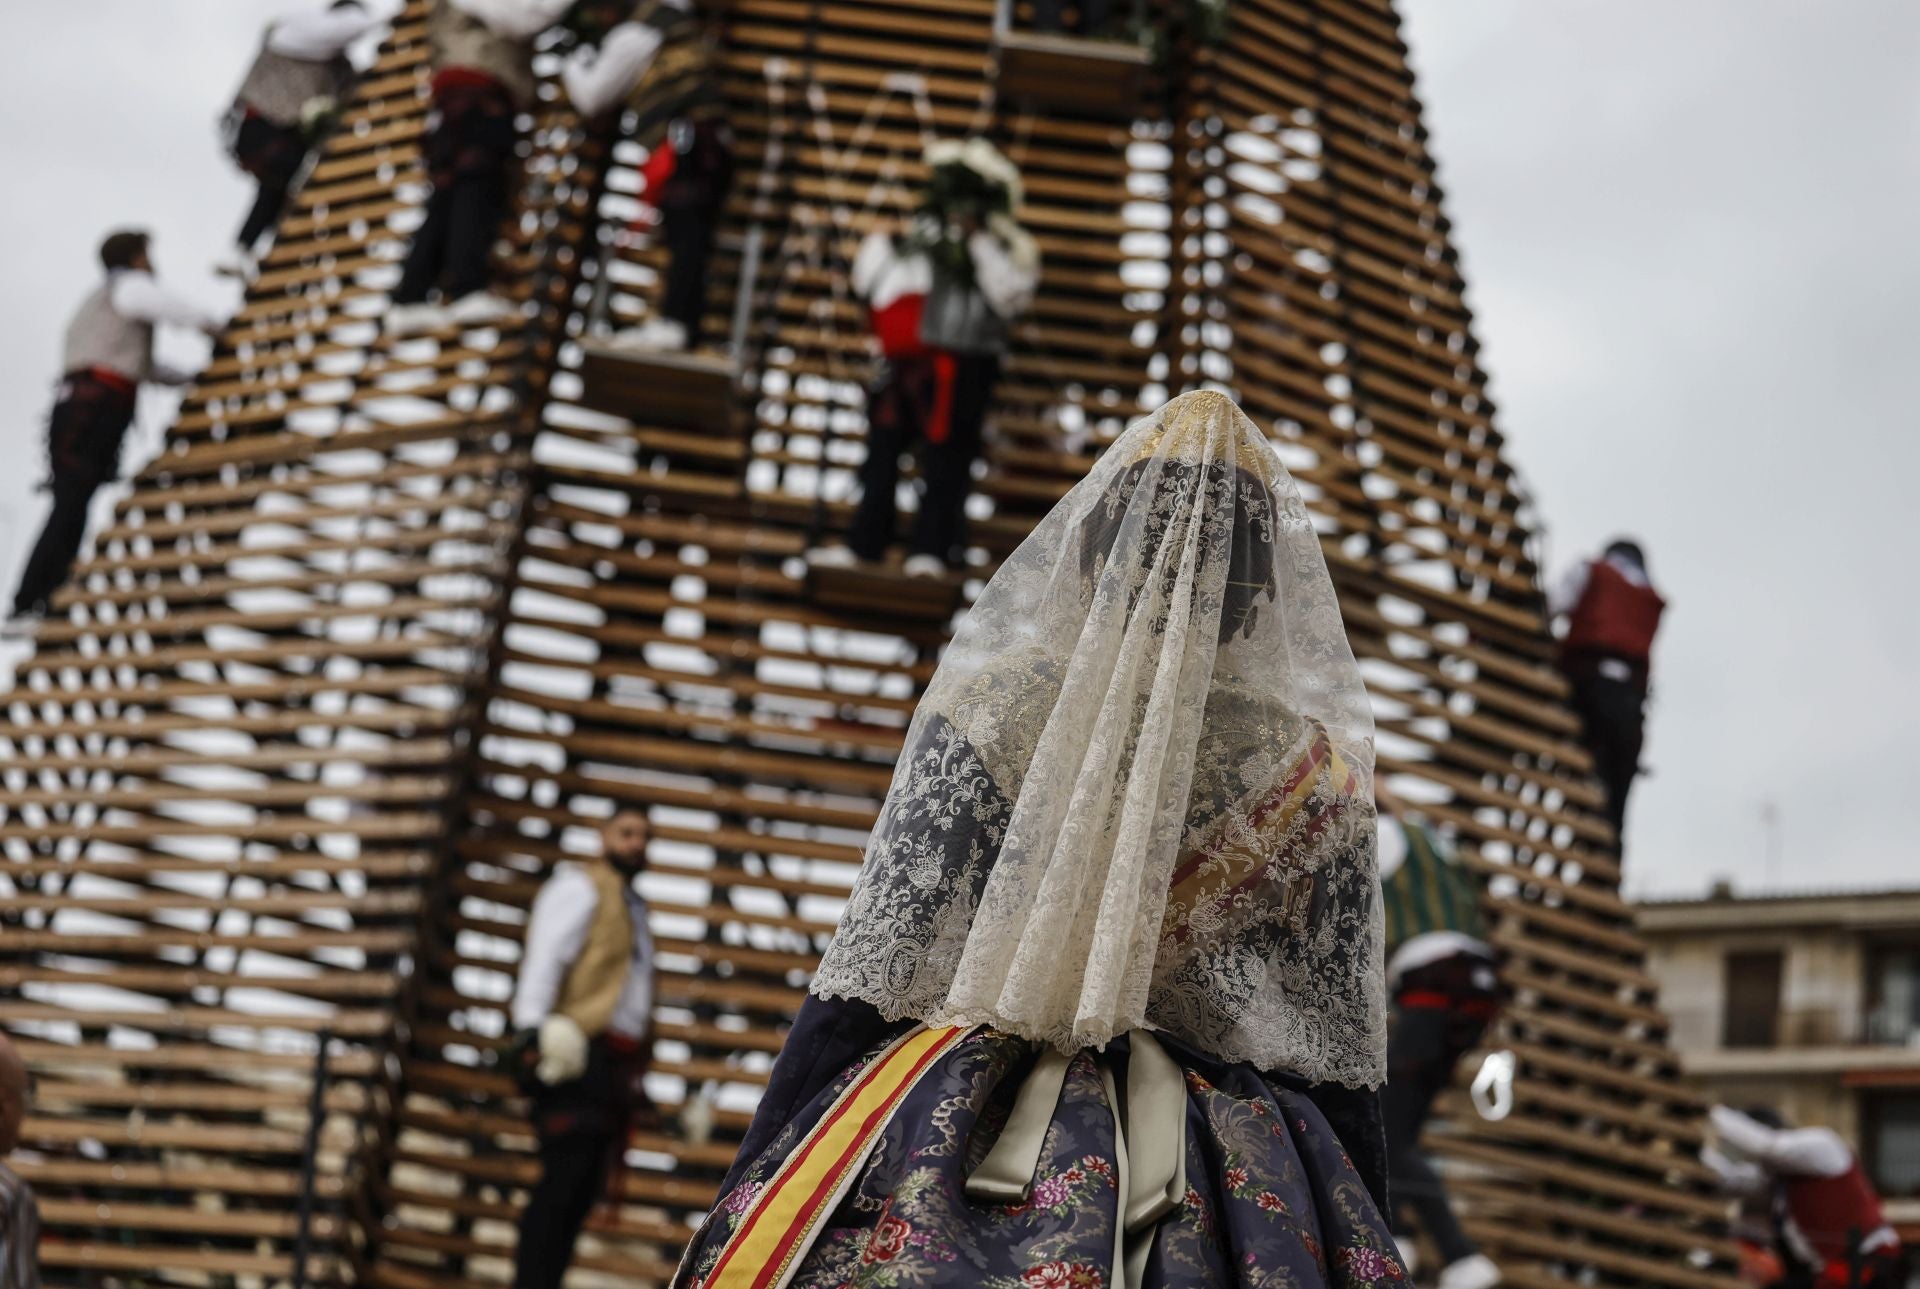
229	759
389	627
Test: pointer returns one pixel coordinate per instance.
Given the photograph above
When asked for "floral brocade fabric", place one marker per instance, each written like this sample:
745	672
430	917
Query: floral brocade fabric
1271	1198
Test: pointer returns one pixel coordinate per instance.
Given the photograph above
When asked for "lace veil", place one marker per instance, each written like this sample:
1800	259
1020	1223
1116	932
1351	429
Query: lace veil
1137	792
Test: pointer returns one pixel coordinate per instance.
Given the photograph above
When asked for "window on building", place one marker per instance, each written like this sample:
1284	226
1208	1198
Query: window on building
1752	1018
1892	1146
1893	995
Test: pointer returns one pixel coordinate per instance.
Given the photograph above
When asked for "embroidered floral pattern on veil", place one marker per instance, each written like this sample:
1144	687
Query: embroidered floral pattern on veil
1137	792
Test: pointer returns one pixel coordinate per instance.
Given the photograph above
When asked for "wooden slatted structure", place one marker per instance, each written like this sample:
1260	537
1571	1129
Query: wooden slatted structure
388	626
229	758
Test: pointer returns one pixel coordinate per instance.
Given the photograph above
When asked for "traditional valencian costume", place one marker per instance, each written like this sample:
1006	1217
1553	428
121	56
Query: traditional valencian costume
1106	1006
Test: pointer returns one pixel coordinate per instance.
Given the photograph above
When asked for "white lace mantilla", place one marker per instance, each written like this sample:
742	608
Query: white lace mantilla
1138	790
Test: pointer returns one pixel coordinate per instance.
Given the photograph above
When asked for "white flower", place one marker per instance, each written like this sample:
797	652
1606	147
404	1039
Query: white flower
979	156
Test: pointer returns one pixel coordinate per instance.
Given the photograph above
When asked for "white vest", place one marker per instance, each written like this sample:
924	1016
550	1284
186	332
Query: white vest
279	86
101	336
462	40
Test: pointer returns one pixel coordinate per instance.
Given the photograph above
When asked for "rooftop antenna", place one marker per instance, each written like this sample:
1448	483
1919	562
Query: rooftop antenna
1770	842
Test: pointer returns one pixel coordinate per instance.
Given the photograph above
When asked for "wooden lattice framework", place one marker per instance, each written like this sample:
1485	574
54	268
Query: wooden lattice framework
385	619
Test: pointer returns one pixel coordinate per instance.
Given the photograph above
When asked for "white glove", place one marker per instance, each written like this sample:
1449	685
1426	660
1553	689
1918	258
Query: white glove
563	1050
315	110
696	1118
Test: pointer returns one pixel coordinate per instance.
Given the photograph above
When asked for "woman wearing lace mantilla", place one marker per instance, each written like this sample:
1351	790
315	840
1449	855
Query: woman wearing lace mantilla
1106	1005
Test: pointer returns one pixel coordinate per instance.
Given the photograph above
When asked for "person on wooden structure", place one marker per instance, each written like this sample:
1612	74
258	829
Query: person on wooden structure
1129	845
108	352
482	80
617	45
287	103
687	178
690	163
1612	613
1441	974
583	1013
1830	1229
942	297
19	1214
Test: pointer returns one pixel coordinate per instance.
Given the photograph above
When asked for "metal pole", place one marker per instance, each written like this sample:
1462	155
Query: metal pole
316	1117
743	293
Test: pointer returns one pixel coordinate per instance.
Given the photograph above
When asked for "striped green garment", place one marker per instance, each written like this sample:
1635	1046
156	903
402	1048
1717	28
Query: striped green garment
1428	892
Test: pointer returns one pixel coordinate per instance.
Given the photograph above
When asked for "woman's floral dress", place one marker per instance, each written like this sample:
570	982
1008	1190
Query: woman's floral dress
1272	1198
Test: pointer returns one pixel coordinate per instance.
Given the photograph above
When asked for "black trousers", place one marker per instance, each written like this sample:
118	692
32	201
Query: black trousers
272	154
59	545
470	158
573	1172
84	437
580	1124
1049	15
1423	1046
690	235
1610	697
898	419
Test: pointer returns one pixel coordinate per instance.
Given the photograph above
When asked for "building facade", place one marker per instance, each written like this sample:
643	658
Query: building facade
1808	1003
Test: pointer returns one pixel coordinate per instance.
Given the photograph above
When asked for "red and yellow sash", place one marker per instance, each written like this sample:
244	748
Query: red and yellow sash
781	1222
1305	802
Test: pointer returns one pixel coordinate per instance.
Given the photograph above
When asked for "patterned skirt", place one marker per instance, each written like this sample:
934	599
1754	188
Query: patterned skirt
1264	1195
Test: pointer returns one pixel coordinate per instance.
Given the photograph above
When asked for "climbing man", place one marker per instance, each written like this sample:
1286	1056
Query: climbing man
689	170
942	298
583	1014
19	1213
482	80
286	105
1830	1229
1445	990
687	177
617	45
1612	613
108	352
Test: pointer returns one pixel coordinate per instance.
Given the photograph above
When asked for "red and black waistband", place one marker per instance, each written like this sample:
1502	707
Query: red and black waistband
118	382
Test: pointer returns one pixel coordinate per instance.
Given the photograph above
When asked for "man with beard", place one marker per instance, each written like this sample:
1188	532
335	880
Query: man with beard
583	1015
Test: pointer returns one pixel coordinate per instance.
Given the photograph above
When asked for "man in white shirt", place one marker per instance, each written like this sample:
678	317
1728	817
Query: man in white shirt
617	46
1831	1229
942	298
583	1012
286	104
108	352
483	79
19	1214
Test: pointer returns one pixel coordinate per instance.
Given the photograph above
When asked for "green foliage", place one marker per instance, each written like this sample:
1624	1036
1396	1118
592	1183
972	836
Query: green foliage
1204	21
955	191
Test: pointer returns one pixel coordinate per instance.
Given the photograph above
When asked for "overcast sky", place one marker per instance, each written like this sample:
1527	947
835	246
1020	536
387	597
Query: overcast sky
1688	231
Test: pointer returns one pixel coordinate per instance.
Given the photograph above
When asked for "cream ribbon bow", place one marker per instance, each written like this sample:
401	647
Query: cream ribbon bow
1149	1144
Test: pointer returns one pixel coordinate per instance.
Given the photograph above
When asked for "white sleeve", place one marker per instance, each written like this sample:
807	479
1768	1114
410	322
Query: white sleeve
598	79
1564	594
320	35
1789	1152
1008	285
515	19
1737	1176
138	296
870	261
556	933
